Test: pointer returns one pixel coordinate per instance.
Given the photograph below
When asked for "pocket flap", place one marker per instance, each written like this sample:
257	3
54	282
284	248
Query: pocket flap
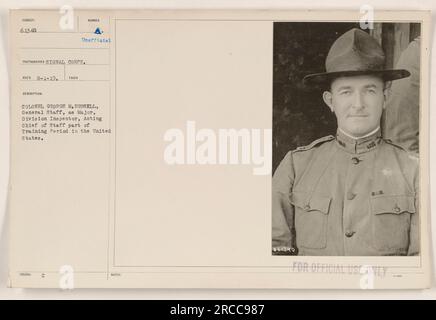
393	204
308	202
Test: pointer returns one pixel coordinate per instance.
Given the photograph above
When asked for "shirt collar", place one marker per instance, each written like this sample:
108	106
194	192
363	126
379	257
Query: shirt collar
358	145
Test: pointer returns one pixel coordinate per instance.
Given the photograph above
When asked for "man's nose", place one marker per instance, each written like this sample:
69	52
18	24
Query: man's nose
358	101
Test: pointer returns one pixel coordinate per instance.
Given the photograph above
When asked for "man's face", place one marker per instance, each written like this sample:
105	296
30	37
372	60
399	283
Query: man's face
357	102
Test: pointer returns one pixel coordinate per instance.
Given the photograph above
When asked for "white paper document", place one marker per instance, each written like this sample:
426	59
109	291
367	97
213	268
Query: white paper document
219	149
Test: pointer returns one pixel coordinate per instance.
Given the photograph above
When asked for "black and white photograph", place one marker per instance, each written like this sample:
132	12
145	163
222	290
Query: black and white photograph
346	106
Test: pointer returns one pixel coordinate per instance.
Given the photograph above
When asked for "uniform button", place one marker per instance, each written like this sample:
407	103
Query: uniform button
349	234
397	209
355	160
350	195
307	207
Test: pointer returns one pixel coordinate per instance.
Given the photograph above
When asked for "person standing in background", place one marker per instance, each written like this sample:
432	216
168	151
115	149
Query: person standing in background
401	120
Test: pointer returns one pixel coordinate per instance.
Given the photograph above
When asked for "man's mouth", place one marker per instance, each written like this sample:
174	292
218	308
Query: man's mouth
357	116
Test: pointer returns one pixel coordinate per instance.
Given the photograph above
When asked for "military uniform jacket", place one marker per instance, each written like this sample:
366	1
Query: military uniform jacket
342	196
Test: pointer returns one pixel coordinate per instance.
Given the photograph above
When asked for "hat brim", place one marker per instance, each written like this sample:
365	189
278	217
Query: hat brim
325	78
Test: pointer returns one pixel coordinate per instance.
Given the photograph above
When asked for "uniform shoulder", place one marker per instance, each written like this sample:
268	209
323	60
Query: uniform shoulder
390	142
403	151
315	143
397	145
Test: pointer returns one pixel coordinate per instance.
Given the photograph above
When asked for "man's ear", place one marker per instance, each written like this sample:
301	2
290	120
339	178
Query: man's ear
327	97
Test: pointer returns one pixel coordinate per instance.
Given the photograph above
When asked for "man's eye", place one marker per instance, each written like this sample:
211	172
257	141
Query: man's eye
371	91
345	92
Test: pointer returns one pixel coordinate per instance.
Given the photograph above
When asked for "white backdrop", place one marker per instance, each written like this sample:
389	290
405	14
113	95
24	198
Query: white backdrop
6	293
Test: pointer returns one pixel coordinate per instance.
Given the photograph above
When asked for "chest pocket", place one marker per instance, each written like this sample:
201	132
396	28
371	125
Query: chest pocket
311	217
391	223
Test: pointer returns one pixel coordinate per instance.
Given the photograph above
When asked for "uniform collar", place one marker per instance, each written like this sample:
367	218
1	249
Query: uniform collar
358	145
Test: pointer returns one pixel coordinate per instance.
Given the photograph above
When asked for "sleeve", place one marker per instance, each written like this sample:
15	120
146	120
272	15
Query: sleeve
283	230
414	235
